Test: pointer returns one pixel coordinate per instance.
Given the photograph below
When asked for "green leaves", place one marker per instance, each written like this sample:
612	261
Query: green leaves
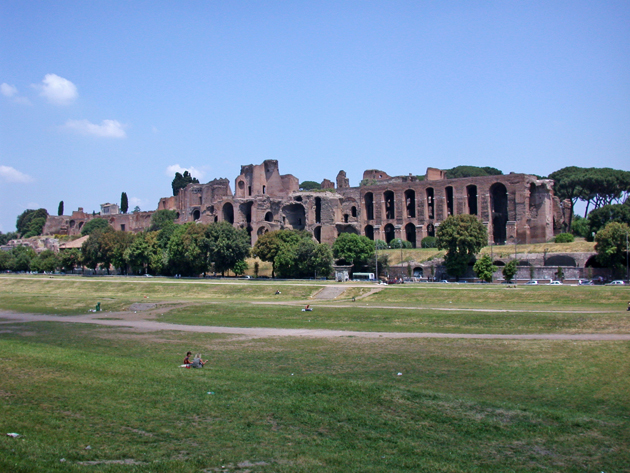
462	236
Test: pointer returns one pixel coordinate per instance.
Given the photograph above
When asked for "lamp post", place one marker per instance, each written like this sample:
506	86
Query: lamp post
376	261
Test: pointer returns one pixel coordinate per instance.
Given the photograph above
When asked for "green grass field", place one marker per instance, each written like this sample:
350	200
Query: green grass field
302	405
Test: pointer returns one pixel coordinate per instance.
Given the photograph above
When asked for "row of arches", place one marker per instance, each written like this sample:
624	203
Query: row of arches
498	206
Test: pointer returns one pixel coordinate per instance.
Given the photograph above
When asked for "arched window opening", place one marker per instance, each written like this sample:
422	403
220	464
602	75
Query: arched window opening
369	232
196	214
410	203
430	230
471	197
353	211
430	203
418	272
269	217
390	233
318	210
390	211
345	218
499	203
450	207
369	206
317	233
410	234
264	189
228	213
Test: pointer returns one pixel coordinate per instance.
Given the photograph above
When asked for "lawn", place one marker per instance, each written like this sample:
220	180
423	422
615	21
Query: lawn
302	405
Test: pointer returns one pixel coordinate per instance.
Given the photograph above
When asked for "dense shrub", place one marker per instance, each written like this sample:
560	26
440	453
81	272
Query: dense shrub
429	242
564	238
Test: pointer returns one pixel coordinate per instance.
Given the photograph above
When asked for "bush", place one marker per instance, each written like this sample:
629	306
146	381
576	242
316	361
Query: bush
564	238
429	242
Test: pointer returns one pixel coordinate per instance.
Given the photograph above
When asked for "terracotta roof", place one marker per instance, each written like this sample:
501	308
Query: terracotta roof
74	243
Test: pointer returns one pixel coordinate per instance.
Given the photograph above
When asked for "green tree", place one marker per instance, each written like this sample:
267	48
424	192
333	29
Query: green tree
462	236
484	269
310	185
47	261
95	250
60	209
188	250
162	218
610	244
580	226
95	224
6	261
227	246
69	259
136	209
309	259
145	254
240	267
271	244
471	171
182	180
25	225
564	238
124	203
599	218
509	270
6	237
115	244
350	248
22	257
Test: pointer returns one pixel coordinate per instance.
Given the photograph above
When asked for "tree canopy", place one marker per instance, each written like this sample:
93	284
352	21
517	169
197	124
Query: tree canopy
599	218
95	224
472	171
277	247
350	248
310	185
484	269
60	209
31	222
462	236
182	180
611	246
161	219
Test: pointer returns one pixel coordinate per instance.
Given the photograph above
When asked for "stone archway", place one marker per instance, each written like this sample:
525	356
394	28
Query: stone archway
390	233
228	213
410	234
499	205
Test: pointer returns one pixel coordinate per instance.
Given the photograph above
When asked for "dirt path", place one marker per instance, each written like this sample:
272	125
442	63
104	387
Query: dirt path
133	320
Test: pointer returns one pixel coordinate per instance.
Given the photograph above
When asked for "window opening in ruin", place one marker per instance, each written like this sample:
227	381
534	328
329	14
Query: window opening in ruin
177	218
390	233
369	206
390	213
228	213
318	210
246	211
499	205
269	217
200	199
410	234
122	227
450	208
298	198
262	231
317	233
430	230
369	232
71	224
249	190
353	211
471	195
418	272
345	218
241	185
216	219
295	214
410	203
264	189
430	203
196	214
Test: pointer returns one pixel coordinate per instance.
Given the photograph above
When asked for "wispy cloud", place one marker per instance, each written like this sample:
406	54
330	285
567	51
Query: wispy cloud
136	202
107	128
194	172
11	92
57	90
9	174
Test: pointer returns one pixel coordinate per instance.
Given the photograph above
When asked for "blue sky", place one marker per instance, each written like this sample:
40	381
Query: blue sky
101	97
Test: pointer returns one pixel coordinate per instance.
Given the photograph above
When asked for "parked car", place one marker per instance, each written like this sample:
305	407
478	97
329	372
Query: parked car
555	283
585	282
617	282
531	283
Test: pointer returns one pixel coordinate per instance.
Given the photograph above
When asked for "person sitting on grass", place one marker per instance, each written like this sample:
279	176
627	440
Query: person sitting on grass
198	362
187	359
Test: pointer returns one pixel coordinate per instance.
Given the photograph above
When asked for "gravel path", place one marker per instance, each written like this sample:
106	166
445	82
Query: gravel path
138	322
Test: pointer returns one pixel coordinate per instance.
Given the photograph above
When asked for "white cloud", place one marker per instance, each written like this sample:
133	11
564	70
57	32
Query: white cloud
136	201
9	174
8	90
11	91
194	172
57	90
107	128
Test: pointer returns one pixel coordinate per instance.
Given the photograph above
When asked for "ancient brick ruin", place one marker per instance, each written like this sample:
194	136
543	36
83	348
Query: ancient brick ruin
514	207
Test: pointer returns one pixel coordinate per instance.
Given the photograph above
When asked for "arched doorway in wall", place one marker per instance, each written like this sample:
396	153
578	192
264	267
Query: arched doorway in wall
228	212
353	212
450	203
196	214
499	203
369	232
246	211
410	203
295	215
318	210
471	198
430	203
262	231
390	208
317	233
269	217
369	206
410	234
418	272
390	233
431	230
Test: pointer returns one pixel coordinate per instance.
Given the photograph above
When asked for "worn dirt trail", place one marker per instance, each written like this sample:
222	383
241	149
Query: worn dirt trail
140	322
